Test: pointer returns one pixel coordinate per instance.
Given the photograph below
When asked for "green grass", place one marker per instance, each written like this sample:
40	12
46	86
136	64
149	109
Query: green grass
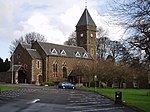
133	97
7	88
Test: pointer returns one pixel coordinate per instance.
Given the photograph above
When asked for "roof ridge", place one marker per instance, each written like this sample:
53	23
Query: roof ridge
87	16
62	45
24	43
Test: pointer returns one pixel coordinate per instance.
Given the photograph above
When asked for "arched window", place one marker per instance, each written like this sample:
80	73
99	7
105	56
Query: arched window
55	69
92	51
25	66
38	64
64	72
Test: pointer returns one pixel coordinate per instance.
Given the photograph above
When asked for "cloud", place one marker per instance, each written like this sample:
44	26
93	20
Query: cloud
108	23
56	28
55	19
70	18
20	17
41	24
23	16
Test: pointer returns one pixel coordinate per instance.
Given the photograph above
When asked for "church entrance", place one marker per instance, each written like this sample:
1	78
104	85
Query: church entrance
72	79
22	76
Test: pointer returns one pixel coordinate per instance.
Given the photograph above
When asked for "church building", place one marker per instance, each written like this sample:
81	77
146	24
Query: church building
41	61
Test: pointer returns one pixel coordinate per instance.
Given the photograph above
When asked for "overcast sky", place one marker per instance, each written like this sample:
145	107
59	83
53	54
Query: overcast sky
55	19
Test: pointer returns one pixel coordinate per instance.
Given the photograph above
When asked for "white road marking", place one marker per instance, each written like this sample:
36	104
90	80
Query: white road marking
34	101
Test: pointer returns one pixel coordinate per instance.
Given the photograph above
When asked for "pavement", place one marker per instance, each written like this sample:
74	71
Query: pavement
28	98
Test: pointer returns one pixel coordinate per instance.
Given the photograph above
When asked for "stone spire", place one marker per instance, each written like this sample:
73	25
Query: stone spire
86	19
86	33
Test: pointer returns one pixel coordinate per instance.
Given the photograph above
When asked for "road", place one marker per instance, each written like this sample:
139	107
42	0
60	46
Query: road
50	99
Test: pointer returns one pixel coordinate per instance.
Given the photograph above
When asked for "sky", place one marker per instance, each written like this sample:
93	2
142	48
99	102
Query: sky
55	19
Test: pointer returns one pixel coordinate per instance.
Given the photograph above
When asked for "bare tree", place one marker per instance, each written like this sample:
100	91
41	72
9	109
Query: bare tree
116	49
135	17
102	42
27	39
101	32
90	72
15	44
140	74
110	72
71	39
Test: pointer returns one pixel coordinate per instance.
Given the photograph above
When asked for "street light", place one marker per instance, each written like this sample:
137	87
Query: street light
95	78
12	62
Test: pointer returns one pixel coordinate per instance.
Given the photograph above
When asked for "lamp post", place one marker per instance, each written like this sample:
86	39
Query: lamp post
12	62
95	78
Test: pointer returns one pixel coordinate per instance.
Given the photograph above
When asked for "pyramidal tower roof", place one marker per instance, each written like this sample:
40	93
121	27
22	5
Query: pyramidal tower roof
86	19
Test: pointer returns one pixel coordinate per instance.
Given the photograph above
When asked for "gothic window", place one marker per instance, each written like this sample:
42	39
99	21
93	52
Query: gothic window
92	51
64	64
64	72
18	56
38	64
55	69
25	66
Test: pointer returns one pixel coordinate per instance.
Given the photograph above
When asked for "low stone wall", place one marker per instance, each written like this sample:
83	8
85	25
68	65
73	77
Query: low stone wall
5	77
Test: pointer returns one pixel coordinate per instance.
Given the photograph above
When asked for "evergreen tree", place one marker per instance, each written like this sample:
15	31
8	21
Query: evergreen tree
1	65
6	65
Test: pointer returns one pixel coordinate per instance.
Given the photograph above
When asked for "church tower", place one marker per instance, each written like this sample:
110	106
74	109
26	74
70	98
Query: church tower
86	33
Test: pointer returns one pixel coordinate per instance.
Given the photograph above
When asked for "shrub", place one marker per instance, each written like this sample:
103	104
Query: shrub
56	82
48	83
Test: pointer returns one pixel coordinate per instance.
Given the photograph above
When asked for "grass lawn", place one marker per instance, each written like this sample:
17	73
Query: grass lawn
133	97
7	88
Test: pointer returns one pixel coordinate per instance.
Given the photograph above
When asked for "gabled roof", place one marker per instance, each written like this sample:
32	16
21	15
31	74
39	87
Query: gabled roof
33	53
86	19
15	67
69	50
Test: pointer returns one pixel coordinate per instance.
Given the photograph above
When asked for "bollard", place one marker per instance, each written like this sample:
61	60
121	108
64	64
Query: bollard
118	97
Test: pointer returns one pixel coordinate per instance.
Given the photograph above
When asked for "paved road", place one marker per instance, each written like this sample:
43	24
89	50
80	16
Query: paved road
47	99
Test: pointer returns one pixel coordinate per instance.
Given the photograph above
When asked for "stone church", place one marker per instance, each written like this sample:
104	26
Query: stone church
41	61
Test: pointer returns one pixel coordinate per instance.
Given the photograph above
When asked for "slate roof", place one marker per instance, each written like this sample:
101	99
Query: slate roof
26	46
34	54
73	73
70	51
86	19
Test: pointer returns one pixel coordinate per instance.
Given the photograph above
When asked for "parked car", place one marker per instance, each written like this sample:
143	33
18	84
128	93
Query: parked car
67	85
